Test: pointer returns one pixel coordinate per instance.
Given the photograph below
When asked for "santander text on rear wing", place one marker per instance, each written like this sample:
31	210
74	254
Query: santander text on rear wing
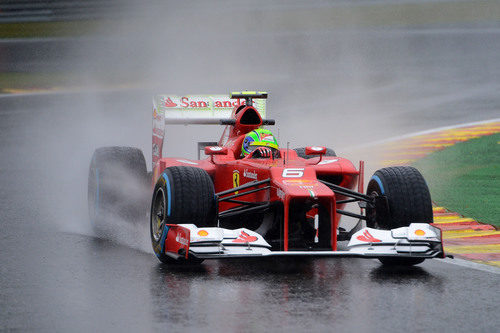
196	109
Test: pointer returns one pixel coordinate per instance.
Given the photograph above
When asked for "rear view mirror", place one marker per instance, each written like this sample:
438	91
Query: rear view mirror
215	150
315	150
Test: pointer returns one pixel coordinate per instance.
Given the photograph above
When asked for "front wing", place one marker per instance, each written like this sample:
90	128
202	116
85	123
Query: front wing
419	240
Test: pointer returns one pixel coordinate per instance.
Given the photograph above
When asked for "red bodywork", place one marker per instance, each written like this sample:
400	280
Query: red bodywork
293	179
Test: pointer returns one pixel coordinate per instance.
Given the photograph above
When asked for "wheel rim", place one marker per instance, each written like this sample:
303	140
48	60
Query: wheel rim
158	215
372	212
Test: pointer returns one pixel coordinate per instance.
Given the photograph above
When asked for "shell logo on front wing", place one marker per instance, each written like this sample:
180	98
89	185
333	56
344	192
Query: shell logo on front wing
202	233
419	232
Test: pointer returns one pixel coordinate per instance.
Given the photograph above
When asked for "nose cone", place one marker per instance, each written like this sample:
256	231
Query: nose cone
298	182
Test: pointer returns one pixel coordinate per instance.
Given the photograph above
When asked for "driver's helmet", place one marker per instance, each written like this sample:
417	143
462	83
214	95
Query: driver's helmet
259	138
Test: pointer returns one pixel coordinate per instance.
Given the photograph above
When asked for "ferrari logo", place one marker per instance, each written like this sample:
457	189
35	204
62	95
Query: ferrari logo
236	179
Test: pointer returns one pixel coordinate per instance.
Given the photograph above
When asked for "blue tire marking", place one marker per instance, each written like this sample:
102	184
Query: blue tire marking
166	228
163	239
168	192
379	182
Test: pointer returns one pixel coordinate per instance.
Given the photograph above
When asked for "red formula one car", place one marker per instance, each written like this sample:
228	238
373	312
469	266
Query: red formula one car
285	203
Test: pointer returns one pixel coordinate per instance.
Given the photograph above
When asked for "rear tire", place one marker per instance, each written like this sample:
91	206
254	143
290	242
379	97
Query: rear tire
182	195
408	201
301	152
117	186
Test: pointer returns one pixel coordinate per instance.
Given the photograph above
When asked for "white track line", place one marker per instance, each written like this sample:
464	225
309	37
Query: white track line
406	136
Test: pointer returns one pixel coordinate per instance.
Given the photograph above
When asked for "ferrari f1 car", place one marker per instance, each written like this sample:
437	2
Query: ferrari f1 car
288	203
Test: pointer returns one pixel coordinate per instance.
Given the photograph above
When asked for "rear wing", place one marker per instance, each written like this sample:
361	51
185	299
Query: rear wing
197	109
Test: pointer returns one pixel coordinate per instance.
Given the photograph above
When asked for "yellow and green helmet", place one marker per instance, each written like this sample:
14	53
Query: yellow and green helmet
258	138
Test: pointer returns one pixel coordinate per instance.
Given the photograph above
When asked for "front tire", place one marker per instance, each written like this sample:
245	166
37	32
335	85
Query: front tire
408	198
405	199
182	195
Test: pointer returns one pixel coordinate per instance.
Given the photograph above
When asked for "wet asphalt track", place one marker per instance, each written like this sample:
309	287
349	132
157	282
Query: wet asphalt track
55	276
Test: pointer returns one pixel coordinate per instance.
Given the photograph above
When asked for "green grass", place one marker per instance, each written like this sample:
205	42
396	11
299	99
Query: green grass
11	82
51	29
465	178
32	80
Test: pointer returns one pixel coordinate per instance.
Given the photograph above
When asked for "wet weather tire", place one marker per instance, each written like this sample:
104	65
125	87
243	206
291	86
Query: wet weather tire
182	195
117	186
407	200
301	152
